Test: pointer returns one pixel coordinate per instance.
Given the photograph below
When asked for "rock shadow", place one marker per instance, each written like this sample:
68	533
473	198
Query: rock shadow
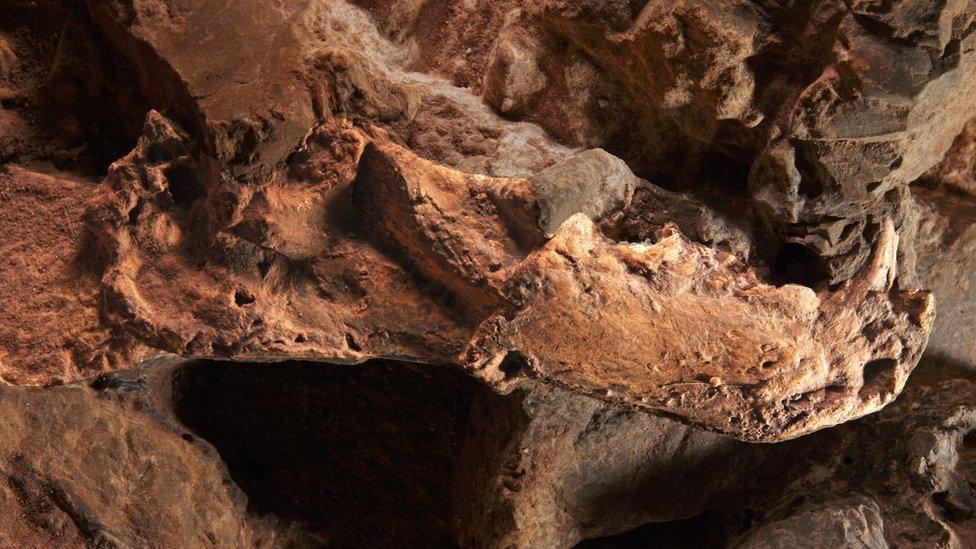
358	454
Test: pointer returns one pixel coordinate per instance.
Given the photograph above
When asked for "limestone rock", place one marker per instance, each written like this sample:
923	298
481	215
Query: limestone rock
538	272
481	240
945	243
593	183
541	466
921	484
902	477
850	523
82	467
50	328
957	169
242	95
716	346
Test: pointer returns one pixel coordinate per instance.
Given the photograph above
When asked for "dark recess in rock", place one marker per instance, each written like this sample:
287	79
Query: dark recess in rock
487	273
342	449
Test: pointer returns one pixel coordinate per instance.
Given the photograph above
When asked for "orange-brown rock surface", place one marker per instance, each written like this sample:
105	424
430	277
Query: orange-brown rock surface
388	272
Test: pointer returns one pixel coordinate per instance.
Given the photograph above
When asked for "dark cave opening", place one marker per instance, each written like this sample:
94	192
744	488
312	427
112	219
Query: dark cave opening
356	454
707	530
879	377
798	264
185	186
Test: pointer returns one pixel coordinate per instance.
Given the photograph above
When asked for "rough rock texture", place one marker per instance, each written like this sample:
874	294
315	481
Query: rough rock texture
505	295
419	272
129	478
539	467
946	242
908	471
50	276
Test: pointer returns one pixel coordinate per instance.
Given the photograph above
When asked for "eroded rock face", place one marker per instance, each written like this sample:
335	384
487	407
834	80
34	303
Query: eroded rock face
608	235
946	242
320	190
540	466
130	478
759	370
916	490
51	327
845	523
